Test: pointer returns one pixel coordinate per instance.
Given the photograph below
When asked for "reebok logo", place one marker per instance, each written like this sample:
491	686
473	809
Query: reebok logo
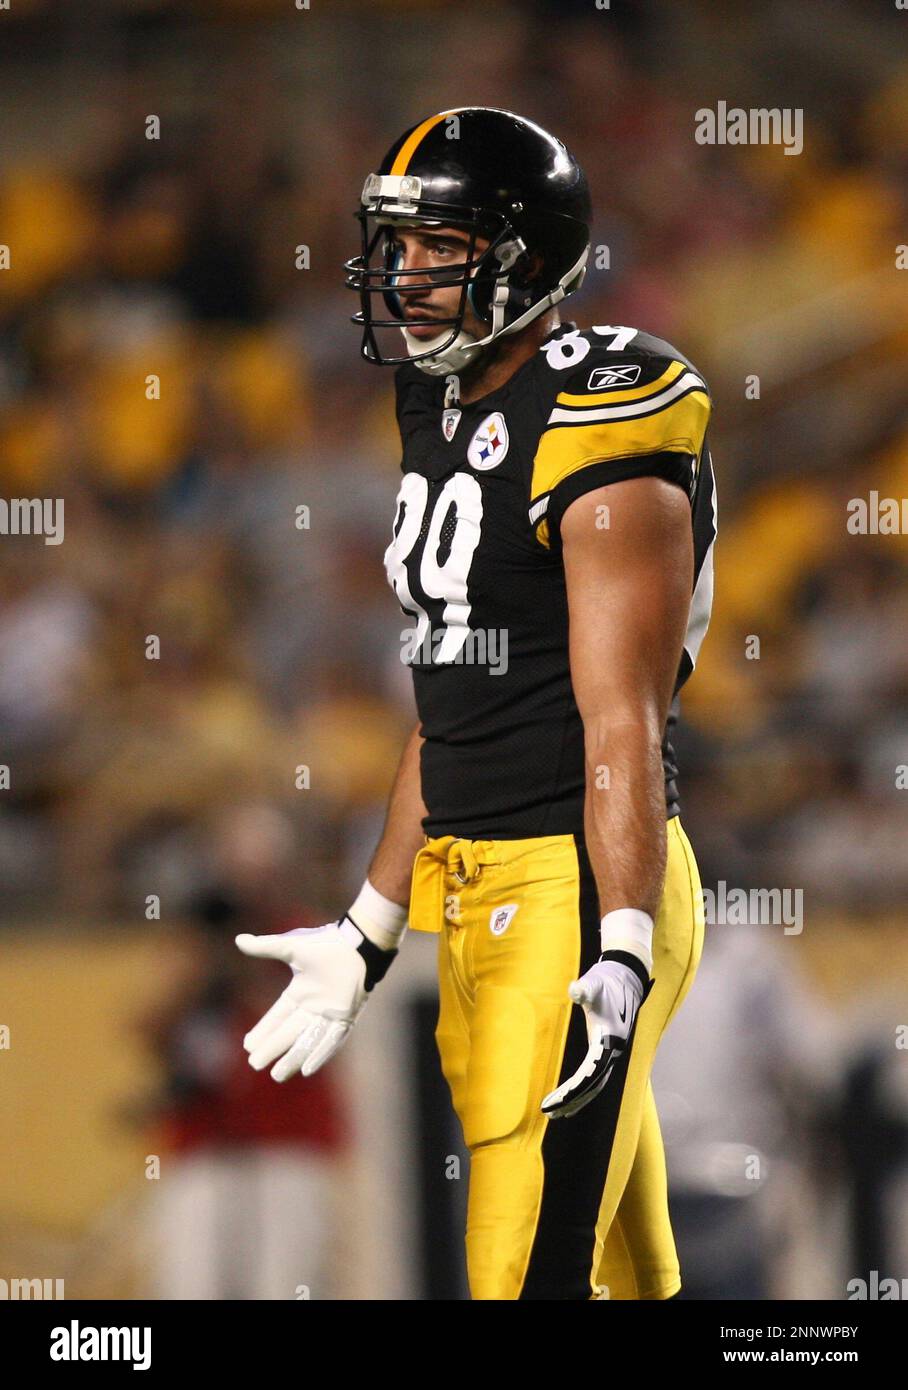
604	377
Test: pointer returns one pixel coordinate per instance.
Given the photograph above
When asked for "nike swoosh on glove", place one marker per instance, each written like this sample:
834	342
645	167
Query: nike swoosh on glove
334	968
610	994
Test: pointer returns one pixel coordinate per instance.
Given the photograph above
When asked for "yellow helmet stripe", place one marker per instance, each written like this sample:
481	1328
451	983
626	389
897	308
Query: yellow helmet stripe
408	148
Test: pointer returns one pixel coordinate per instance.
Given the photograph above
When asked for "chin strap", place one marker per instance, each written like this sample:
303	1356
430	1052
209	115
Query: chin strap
466	348
455	358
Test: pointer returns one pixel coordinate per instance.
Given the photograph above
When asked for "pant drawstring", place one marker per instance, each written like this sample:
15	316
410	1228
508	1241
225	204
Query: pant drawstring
462	861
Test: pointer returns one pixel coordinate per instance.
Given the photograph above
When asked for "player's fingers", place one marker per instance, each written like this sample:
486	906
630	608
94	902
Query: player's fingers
335	1036
297	1056
282	1008
274	947
586	1082
556	1099
585	991
555	1103
281	1037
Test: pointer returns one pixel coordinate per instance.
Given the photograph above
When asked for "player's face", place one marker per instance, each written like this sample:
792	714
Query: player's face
434	250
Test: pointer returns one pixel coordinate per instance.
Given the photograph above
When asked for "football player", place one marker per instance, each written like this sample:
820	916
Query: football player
552	550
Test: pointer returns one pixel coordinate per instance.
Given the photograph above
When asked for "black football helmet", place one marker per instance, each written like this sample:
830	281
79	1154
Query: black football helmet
498	176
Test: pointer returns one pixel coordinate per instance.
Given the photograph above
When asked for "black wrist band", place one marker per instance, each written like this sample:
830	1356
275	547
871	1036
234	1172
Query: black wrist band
632	961
376	958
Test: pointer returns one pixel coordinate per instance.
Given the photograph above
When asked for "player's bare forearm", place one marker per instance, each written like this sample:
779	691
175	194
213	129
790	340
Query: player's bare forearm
624	813
402	836
629	590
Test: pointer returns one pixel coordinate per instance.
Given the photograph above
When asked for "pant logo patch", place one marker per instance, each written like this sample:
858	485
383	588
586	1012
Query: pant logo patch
501	918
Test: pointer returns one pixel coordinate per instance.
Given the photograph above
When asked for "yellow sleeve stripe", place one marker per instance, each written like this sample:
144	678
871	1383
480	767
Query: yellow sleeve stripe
626	410
632	393
596	436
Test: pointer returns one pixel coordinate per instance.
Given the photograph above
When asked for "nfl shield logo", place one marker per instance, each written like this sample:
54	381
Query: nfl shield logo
501	918
449	422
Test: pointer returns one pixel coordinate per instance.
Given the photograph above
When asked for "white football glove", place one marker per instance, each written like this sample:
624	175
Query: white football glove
334	969
610	993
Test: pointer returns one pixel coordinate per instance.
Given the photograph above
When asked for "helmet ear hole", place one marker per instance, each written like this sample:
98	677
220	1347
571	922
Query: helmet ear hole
523	278
527	268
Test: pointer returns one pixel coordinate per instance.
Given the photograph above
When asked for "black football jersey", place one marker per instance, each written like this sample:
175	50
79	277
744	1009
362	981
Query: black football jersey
476	565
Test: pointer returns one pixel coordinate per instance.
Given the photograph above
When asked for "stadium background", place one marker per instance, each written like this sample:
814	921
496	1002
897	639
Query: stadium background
176	777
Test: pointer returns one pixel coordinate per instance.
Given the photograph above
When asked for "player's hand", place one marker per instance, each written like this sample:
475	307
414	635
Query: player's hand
610	994
334	968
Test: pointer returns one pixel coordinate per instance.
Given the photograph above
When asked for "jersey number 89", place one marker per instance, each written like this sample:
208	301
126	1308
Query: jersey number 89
441	575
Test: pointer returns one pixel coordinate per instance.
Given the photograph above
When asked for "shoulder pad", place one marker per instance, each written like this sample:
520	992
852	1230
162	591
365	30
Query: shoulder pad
620	404
609	358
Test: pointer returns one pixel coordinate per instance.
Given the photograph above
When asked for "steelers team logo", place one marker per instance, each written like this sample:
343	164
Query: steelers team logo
489	444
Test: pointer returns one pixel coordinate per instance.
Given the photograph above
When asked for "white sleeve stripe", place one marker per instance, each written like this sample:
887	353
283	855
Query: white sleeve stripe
702	600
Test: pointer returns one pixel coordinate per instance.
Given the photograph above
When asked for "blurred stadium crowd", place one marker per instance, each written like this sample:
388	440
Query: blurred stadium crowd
279	641
279	644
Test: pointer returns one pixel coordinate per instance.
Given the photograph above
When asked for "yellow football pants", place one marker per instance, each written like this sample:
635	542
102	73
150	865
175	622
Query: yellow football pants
574	1208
